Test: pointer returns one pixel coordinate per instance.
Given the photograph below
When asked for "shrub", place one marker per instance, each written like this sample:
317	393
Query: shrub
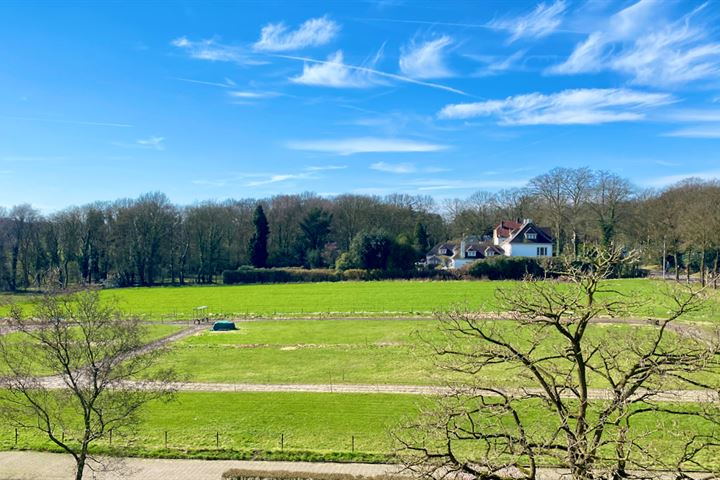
297	275
507	268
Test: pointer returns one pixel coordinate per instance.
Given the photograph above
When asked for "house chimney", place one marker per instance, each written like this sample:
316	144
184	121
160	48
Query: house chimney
462	248
527	220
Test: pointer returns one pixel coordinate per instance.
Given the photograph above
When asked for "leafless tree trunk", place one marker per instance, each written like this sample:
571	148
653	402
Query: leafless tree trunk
595	395
91	350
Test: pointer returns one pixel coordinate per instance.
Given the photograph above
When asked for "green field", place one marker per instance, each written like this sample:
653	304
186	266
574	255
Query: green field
311	426
344	352
152	333
398	297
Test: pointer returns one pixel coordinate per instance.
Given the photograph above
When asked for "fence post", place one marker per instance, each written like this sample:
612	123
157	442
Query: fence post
217	439
166	439
353	443
282	441
16	436
111	436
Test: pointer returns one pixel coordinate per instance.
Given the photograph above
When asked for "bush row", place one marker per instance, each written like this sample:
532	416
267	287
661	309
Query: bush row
245	474
508	268
297	275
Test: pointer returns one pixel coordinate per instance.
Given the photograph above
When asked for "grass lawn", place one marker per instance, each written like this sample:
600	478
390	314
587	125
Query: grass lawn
343	351
377	297
312	426
152	333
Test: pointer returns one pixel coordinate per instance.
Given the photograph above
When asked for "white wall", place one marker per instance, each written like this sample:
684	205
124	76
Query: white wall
526	249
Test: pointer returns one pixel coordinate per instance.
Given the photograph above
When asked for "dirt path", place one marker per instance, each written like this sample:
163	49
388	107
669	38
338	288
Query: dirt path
678	396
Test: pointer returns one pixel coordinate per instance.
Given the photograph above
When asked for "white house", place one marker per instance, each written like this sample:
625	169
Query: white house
510	238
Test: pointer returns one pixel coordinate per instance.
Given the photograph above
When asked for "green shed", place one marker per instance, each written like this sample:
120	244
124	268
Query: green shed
223	326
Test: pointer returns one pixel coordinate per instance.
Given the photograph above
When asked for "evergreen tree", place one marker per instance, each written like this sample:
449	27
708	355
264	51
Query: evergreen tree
422	242
258	248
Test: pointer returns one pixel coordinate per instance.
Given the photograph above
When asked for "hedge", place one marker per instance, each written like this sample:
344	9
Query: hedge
297	275
246	474
507	268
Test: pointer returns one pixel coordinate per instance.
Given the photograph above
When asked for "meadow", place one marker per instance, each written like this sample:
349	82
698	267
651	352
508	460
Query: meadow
152	333
384	352
295	426
400	298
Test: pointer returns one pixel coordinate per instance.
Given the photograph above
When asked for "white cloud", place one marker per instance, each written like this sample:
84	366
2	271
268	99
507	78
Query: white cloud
211	50
226	83
403	168
154	142
541	22
578	106
639	42
394	167
671	179
350	146
275	37
333	73
703	131
453	184
252	95
425	60
324	168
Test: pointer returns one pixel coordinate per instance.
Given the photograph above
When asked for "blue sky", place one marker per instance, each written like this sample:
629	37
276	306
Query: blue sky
212	100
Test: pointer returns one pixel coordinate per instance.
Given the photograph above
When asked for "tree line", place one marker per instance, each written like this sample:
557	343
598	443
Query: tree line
149	240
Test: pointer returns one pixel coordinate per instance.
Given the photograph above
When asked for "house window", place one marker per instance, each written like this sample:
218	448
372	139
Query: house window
443	251
531	236
471	253
542	251
489	253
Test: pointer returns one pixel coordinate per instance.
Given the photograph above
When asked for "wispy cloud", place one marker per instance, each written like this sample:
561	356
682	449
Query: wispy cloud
226	83
325	168
394	167
666	180
259	179
333	72
403	168
579	106
653	50
351	146
426	59
692	115
150	143
212	50
440	184
253	95
275	37
701	131
541	22
154	142
494	65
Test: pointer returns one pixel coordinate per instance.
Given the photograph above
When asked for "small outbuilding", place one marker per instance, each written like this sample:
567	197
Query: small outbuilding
223	326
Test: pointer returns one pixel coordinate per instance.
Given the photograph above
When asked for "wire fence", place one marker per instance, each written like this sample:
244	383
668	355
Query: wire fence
205	440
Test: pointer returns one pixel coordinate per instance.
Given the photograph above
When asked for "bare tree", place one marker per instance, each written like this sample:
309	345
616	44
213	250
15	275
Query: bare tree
596	398
92	353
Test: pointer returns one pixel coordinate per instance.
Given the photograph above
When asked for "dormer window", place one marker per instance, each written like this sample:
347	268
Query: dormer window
489	253
471	253
443	251
531	236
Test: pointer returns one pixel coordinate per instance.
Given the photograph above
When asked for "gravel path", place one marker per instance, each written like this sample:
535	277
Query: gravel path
53	466
679	396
